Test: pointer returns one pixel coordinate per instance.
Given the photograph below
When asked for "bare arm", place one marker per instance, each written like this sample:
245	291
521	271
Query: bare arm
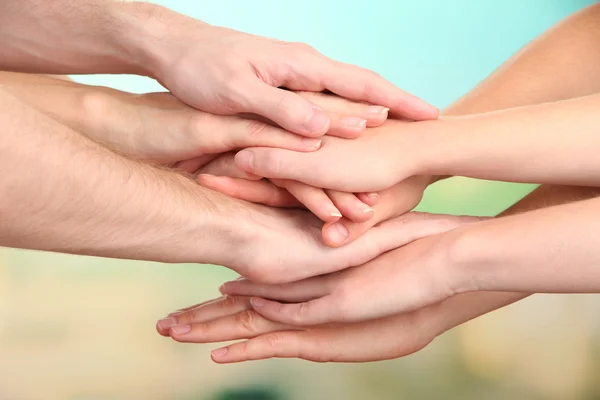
62	192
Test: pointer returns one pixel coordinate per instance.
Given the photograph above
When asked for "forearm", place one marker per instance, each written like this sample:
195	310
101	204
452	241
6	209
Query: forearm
111	36
62	192
548	250
464	307
529	77
569	50
546	143
560	64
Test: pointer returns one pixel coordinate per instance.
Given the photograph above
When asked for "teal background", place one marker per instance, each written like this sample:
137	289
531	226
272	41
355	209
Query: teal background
83	328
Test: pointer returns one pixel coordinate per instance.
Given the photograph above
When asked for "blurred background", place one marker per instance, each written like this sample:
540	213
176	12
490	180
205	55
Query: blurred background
79	328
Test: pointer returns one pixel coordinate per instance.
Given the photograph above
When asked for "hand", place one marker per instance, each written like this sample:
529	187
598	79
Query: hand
399	199
278	246
408	278
232	318
223	71
377	160
160	128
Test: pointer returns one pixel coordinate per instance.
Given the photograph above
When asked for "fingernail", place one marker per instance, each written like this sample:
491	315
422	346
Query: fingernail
318	122
175	313
354	122
257	302
372	196
219	352
369	210
166	323
246	159
312	143
338	233
336	214
181	329
378	111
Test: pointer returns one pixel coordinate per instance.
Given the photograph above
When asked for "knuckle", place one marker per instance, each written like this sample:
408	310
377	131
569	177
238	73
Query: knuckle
273	340
242	348
256	129
301	312
229	302
247	320
302	47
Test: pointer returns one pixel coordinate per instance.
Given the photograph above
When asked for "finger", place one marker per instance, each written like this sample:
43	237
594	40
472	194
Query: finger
358	342
285	344
192	165
222	307
241	325
346	126
295	292
373	114
350	206
260	192
359	84
287	109
163	325
315	199
224	165
313	312
249	132
391	202
283	164
370	199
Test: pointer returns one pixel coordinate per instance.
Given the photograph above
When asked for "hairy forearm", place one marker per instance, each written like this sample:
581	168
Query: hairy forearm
62	192
81	37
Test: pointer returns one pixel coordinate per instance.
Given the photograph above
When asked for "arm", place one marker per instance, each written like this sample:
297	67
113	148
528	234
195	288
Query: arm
239	73
520	144
62	192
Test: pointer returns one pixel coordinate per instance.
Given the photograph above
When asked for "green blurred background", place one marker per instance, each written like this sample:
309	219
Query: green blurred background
79	328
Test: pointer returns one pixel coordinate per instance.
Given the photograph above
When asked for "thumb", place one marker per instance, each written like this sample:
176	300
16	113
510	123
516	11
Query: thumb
287	109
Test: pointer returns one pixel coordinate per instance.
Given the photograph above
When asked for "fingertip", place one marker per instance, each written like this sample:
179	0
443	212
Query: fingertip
244	160
318	123
335	234
370	199
376	115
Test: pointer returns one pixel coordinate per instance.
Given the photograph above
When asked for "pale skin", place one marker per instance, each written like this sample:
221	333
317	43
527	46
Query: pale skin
159	128
503	250
213	69
89	200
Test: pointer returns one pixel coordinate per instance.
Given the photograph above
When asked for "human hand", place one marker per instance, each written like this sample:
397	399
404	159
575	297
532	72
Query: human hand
405	279
232	318
160	128
377	160
221	175
226	72
265	235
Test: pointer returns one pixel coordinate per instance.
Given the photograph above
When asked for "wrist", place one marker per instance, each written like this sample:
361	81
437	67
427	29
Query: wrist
434	152
147	31
454	255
